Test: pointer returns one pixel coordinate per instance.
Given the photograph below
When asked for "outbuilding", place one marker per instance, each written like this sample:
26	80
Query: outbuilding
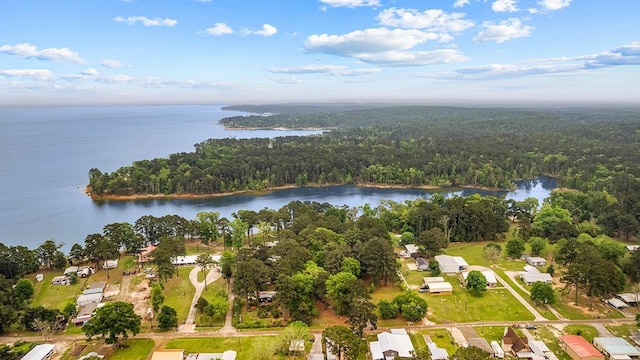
536	261
439	288
616	348
630	298
617	303
436	352
579	348
422	264
89	299
40	352
412	251
451	264
60	280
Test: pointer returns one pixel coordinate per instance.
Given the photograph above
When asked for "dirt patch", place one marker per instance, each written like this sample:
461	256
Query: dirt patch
77	350
469	332
137	294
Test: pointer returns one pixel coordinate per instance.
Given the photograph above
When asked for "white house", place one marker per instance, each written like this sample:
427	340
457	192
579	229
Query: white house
185	260
451	264
412	250
89	299
392	345
436	352
536	261
531	275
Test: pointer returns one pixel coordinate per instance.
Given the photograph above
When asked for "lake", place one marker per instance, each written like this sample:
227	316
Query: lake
47	153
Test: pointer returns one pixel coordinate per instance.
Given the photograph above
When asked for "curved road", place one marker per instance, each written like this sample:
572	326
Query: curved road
212	275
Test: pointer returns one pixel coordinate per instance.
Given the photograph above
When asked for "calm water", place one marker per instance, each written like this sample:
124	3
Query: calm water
47	153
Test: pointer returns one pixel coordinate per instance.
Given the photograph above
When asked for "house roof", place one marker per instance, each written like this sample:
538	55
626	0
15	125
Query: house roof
440	286
185	260
629	297
397	340
432	279
617	303
39	352
531	269
517	343
580	346
90	297
460	261
451	260
616	346
536	259
376	351
422	261
436	352
531	277
411	248
168	354
87	309
227	355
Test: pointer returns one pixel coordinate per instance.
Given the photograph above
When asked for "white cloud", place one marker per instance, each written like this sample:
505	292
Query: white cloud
288	80
219	29
460	3
267	30
337	70
110	79
33	74
505	6
350	3
431	19
504	30
111	63
626	55
90	72
415	58
375	40
26	50
132	20
553	5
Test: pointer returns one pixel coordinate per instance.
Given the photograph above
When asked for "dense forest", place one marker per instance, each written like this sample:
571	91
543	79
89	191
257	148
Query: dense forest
403	145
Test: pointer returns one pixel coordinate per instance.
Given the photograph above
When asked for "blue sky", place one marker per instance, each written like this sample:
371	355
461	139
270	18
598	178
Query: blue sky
237	51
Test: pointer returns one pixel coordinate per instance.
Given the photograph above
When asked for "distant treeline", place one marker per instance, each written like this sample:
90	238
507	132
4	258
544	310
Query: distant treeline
405	145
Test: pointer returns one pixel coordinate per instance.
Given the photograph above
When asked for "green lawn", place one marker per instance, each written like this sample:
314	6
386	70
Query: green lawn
463	306
621	330
567	308
442	338
242	345
55	296
544	312
546	334
137	349
178	293
586	331
490	332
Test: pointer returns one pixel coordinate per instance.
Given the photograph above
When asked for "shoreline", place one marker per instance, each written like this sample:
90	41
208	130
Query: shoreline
271	189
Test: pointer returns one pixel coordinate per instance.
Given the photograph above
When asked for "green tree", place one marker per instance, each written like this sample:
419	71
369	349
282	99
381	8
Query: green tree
343	288
434	267
8	312
76	253
378	260
167	318
113	322
351	265
538	246
542	293
122	234
296	294
23	291
362	314
411	305
343	342
217	308
208	226
46	252
250	276
387	309
157	298
476	282
515	248
227	263
205	262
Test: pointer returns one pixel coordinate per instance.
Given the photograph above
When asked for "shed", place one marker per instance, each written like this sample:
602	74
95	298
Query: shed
616	348
531	269
617	303
630	298
92	291
536	261
440	288
436	352
89	299
488	274
412	250
39	277
422	264
579	348
85	313
433	279
40	352
531	277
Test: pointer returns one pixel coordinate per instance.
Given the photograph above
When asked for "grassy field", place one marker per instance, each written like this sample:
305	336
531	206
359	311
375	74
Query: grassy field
621	330
178	293
55	296
543	311
137	349
567	308
441	337
463	306
242	345
550	338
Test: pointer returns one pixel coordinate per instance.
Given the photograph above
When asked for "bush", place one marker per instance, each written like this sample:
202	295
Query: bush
387	309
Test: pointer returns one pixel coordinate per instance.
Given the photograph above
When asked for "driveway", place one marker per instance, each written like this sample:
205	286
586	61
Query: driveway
212	275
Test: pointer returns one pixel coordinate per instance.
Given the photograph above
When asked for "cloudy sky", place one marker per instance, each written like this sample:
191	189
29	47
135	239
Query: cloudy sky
259	51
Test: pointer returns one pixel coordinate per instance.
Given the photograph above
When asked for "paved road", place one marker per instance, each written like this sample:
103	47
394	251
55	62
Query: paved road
189	325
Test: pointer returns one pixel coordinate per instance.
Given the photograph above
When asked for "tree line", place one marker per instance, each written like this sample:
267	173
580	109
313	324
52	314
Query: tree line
588	149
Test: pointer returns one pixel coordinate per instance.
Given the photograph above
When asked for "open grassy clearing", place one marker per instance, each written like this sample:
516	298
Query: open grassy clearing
243	345
621	330
441	337
463	306
137	349
178	293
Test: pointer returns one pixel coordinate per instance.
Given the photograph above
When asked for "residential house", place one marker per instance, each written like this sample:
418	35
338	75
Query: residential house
227	355
422	264
392	345
531	275
518	346
451	264
536	261
40	352
168	354
616	348
432	279
412	251
94	298
85	313
436	352
145	254
579	348
185	260
488	274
